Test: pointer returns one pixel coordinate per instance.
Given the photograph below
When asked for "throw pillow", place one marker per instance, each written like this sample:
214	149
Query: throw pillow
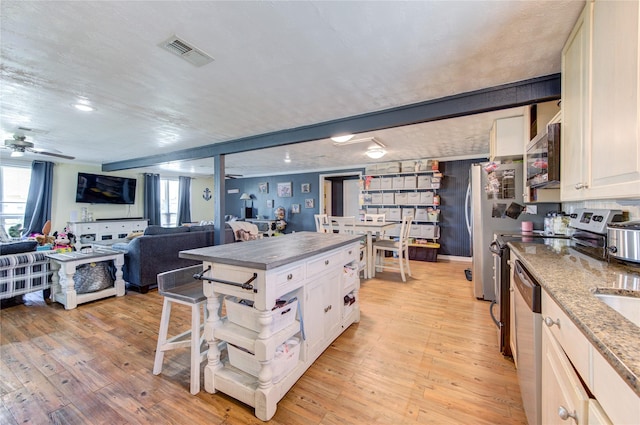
17	247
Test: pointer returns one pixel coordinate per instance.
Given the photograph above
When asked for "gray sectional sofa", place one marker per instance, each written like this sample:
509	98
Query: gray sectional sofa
157	251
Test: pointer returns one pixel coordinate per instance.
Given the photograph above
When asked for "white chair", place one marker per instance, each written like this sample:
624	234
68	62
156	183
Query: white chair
179	286
376	218
399	248
343	224
346	225
321	220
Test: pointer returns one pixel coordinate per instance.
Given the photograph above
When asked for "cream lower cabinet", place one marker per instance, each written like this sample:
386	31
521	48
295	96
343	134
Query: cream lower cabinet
564	400
601	103
324	310
570	366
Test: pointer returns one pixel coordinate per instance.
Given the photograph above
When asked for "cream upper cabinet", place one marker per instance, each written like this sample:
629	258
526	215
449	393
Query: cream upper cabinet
601	104
615	143
505	138
575	99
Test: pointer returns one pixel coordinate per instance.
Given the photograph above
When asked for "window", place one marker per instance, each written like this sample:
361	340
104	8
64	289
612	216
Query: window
14	189
168	202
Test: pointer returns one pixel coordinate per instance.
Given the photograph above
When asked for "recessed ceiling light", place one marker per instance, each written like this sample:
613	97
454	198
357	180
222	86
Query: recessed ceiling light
83	107
287	158
376	153
342	139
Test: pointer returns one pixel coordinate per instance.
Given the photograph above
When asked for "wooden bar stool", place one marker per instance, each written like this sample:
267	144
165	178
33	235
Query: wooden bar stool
179	286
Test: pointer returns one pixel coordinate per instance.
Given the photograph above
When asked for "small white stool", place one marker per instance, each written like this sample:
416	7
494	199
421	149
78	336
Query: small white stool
179	286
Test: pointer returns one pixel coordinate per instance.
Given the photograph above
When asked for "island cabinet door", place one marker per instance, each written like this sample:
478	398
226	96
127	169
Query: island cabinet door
322	313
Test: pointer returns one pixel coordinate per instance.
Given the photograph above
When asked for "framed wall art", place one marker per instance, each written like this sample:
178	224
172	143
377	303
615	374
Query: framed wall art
309	203
269	203
263	187
295	208
305	188
284	190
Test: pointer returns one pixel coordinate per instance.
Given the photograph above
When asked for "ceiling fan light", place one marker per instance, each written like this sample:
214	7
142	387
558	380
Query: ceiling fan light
17	154
376	153
343	138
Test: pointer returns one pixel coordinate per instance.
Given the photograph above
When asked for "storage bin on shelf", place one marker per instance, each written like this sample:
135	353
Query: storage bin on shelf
349	304
284	360
424	251
351	277
247	316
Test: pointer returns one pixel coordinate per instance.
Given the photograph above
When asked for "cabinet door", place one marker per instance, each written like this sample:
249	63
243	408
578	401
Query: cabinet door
322	312
615	147
564	400
575	98
507	138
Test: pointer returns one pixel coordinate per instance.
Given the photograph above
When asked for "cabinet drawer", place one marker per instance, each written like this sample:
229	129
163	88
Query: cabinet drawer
88	228
325	263
289	279
113	227
352	254
573	342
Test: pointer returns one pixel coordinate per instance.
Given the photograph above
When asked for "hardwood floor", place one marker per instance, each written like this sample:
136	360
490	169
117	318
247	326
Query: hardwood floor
424	352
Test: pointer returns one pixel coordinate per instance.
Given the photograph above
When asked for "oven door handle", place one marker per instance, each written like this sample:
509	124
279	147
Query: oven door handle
495	250
493	317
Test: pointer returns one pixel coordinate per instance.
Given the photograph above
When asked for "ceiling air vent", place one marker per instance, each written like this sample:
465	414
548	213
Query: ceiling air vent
186	51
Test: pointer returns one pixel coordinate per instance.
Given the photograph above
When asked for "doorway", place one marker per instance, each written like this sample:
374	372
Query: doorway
340	194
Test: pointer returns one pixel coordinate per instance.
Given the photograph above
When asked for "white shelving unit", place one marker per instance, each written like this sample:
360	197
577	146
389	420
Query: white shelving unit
401	188
88	233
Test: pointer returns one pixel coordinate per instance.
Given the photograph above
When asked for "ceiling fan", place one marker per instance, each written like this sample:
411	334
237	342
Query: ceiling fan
232	176
19	145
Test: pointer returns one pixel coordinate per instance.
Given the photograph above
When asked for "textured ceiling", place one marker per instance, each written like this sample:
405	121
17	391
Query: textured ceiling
278	65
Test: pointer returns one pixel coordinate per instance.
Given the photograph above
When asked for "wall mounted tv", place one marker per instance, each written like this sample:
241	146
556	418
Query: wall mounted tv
102	189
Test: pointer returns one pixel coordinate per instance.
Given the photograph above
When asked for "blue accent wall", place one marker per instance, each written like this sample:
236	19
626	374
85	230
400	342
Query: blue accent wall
295	222
454	238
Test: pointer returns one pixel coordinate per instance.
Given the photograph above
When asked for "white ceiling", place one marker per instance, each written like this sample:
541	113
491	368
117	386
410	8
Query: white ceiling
277	65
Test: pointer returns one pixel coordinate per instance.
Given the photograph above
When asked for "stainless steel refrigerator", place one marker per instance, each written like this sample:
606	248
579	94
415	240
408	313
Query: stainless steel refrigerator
494	205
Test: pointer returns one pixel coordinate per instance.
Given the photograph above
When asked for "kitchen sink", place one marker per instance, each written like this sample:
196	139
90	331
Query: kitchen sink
628	306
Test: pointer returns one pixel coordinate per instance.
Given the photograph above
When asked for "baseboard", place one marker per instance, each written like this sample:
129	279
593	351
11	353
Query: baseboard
454	258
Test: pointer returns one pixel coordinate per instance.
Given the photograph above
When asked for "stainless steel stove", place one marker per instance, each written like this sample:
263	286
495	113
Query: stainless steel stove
499	308
589	230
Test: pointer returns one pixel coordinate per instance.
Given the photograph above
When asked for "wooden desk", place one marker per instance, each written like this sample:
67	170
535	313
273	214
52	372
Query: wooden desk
64	267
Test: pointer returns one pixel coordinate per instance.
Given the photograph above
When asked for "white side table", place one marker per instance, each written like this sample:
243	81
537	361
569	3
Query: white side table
64	267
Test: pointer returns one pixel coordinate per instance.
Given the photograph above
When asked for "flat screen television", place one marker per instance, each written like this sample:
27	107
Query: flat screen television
102	189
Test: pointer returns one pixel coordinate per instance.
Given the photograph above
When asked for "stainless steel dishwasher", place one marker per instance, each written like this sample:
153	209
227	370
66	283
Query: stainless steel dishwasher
528	340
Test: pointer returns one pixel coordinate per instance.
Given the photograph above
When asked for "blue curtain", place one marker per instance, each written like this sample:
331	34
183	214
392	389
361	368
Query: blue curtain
152	198
184	200
38	208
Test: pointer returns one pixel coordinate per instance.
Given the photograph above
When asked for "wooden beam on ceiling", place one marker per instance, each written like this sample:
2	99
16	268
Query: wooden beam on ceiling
527	92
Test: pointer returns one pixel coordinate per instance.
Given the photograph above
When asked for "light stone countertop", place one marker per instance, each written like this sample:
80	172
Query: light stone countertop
571	279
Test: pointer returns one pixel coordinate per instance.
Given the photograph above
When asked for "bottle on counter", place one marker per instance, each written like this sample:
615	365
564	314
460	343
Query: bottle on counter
561	223
548	223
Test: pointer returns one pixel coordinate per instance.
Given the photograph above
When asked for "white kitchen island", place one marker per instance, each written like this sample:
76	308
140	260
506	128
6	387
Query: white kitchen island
319	270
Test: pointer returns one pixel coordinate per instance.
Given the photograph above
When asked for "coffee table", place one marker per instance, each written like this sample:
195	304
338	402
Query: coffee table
64	267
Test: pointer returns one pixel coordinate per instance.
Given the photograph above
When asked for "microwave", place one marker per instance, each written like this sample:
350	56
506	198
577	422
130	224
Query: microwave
542	159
